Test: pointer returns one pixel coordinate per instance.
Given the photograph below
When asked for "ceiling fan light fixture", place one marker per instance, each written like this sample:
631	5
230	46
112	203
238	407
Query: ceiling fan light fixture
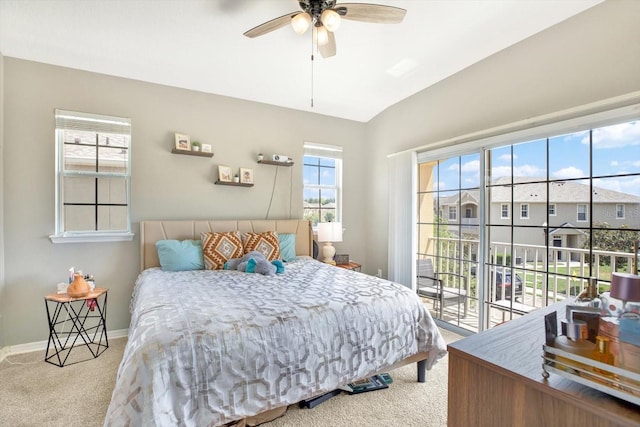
330	19
301	22
322	36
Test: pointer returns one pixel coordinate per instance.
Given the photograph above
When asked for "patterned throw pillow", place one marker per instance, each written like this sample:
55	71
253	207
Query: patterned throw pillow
219	248
266	243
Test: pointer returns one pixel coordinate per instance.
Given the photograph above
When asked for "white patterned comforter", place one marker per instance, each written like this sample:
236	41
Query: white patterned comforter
209	347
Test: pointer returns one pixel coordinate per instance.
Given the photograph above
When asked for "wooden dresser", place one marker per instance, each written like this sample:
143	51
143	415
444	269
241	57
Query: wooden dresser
495	379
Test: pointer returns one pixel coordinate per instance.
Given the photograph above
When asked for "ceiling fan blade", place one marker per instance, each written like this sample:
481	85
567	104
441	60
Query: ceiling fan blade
329	49
367	12
272	25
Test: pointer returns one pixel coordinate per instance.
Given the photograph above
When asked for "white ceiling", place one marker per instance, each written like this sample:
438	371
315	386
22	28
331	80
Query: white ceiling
198	44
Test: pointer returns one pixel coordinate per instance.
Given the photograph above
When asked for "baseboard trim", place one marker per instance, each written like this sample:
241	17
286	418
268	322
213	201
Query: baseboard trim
42	345
4	352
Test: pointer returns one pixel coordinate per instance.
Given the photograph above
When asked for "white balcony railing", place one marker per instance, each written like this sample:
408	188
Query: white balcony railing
558	273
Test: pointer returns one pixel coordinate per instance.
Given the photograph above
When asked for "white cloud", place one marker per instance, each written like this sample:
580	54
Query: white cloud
473	166
454	167
528	170
614	163
568	172
616	136
507	157
440	185
524	170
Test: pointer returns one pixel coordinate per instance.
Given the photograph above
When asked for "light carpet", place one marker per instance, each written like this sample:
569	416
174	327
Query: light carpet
35	393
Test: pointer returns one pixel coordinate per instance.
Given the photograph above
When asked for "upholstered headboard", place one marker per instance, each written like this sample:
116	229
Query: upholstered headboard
152	231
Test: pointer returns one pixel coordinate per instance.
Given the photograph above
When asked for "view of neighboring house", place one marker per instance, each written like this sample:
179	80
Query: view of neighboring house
567	210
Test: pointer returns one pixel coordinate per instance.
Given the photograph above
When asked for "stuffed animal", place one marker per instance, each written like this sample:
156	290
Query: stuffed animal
255	262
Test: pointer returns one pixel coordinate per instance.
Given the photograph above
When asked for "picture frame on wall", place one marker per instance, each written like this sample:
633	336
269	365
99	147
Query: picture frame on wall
246	176
224	173
183	142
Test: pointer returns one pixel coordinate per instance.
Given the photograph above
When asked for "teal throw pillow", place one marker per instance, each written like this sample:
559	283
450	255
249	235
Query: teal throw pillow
287	246
180	255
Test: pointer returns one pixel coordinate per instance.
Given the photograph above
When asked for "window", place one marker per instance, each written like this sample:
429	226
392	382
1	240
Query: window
468	213
582	213
453	213
322	176
504	211
93	177
545	174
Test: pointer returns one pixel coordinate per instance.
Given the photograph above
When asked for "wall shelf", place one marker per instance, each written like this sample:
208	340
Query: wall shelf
271	162
191	153
236	184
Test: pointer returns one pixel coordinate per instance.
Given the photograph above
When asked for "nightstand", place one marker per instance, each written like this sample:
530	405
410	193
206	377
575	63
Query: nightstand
354	266
73	319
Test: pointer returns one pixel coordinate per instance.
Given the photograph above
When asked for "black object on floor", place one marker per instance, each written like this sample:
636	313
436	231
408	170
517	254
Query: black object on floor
372	383
312	403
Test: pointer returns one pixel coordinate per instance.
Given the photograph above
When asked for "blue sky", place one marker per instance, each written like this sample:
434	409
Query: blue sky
616	151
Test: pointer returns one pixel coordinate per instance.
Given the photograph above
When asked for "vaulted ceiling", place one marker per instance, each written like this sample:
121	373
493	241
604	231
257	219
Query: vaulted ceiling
199	45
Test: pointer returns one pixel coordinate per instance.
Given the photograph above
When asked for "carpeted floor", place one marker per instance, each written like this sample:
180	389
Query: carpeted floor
35	393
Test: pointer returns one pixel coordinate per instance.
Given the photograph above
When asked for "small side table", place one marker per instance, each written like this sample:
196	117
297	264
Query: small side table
86	318
354	266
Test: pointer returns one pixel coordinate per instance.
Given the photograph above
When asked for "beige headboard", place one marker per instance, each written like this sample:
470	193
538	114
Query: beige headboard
152	231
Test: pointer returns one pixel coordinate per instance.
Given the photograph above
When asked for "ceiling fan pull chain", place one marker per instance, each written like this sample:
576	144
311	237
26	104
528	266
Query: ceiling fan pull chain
312	58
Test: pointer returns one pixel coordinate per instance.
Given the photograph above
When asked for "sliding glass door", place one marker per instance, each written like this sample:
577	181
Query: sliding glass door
548	214
448	237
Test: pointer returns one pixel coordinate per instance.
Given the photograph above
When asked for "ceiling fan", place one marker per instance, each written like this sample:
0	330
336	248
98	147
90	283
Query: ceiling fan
325	16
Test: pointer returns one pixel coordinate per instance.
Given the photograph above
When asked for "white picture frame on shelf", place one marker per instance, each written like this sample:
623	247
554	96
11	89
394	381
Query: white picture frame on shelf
246	176
206	148
183	142
224	173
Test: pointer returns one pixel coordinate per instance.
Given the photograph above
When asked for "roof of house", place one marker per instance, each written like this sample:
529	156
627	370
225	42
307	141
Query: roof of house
560	192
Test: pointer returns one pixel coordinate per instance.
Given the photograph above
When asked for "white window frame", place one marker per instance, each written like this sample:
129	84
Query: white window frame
453	213
502	211
524	211
586	212
98	123
552	209
598	114
330	152
620	209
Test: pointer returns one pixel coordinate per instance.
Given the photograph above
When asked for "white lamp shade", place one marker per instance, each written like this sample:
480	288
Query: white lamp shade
329	232
322	36
330	19
301	22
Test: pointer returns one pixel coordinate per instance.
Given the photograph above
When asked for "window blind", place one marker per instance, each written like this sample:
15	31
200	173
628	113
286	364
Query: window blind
73	120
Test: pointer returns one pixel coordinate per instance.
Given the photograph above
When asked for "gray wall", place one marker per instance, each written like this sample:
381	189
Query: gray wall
2	292
164	185
590	57
593	56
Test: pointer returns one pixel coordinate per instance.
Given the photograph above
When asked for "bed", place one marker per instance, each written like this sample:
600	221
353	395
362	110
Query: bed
221	347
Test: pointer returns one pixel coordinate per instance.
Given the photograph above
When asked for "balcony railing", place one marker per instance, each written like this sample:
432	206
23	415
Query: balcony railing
548	274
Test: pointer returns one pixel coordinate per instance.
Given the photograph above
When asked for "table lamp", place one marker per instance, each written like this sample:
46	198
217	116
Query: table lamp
625	287
329	232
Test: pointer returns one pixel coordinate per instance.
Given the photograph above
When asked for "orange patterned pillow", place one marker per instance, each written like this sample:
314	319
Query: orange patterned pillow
266	243
219	248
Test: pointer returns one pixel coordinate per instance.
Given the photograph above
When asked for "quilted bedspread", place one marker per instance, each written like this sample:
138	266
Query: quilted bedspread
209	347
